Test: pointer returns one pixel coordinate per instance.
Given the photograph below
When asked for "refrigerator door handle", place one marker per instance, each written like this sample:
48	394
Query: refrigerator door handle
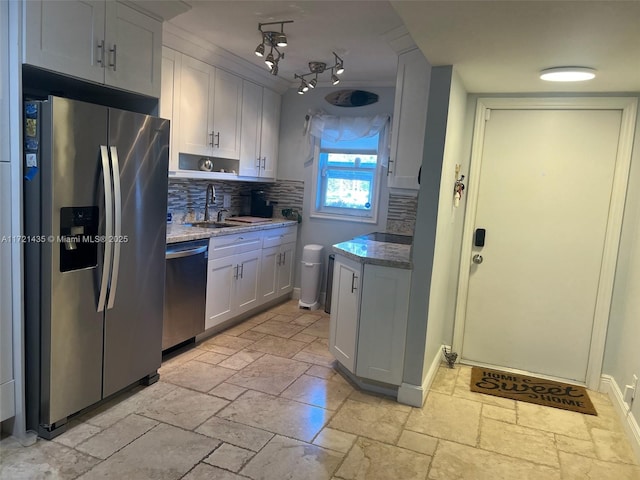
108	206
117	236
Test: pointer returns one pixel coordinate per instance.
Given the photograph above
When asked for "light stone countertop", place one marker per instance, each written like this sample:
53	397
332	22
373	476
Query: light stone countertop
182	233
376	253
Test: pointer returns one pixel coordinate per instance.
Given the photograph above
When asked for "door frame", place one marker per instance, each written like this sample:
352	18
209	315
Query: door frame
628	107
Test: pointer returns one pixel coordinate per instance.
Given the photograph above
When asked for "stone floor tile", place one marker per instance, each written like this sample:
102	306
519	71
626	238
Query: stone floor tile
445	380
179	357
227	391
318	329
202	471
372	421
612	446
277	415
115	437
446	417
306	319
579	468
259	318
304	338
550	419
282	318
373	460
278	328
225	344
282	347
214	358
321	372
229	457
585	448
77	432
163	453
285	458
498	413
317	391
184	408
316	352
198	375
461	462
238	329
241	359
269	374
335	440
418	442
607	418
43	460
251	335
516	441
235	433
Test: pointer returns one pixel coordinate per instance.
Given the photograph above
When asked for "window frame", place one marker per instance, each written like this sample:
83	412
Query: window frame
319	193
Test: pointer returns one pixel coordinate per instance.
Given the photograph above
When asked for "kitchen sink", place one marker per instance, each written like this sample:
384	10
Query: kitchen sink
211	224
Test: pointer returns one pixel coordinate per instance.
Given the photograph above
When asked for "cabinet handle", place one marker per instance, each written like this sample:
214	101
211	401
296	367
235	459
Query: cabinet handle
279	259
242	271
115	55
211	142
389	167
353	282
258	164
100	59
217	135
235	275
284	258
264	162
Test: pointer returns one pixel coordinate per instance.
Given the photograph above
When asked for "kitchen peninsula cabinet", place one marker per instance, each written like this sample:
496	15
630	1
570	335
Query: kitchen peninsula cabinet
409	120
232	276
209	103
260	129
369	311
105	42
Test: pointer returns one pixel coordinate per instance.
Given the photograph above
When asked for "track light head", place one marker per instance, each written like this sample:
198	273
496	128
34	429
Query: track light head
260	50
270	61
281	39
334	79
313	82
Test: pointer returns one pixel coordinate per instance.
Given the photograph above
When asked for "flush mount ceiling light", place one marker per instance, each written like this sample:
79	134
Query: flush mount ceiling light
568	74
316	68
272	40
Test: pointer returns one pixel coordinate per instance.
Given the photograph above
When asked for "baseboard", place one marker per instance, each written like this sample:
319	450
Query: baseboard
609	386
415	395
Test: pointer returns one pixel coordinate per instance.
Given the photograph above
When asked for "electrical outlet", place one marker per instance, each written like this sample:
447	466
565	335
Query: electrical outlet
226	201
630	391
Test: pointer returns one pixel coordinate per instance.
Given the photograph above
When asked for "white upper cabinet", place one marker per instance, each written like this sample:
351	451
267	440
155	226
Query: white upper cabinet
4	82
104	42
171	61
209	103
409	120
260	130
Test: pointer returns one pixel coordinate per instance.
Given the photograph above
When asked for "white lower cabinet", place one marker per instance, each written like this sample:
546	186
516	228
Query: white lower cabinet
247	270
7	384
368	322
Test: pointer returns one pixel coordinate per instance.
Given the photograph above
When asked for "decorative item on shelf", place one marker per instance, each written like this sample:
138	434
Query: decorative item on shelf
205	164
458	187
316	68
272	40
291	214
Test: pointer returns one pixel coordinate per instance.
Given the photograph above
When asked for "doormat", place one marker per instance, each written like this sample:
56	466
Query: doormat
531	389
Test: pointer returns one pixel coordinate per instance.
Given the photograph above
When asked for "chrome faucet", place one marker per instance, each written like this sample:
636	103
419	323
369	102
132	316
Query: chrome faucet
221	214
211	194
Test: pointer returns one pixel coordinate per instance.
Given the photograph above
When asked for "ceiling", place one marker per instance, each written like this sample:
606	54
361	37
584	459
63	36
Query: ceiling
495	46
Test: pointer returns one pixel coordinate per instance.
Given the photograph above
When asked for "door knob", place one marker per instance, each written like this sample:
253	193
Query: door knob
477	259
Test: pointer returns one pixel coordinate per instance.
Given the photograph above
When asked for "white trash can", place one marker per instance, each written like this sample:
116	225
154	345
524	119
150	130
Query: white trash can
310	277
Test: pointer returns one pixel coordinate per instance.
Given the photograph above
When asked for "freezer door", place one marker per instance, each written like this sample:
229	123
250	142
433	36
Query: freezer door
63	280
139	149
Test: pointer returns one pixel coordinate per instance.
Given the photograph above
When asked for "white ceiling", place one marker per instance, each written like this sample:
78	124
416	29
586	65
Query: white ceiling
496	46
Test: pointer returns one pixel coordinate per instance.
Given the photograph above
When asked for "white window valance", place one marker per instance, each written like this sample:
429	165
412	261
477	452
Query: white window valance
335	129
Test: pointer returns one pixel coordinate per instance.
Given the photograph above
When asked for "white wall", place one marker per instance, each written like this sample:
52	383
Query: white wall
291	166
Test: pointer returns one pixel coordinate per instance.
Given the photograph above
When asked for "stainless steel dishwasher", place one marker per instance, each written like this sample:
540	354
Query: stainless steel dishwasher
185	292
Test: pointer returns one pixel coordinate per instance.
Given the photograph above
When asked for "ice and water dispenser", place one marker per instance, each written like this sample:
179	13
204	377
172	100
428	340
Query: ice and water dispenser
78	242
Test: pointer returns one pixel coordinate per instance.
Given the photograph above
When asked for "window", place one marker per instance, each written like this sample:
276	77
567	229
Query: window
347	180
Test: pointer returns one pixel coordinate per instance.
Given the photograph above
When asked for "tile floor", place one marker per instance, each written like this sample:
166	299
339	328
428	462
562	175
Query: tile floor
263	401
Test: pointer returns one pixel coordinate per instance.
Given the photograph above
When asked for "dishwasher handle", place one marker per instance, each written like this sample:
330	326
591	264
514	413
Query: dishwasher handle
185	253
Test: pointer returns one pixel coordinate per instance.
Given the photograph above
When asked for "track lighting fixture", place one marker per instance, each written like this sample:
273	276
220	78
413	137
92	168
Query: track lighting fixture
316	68
272	40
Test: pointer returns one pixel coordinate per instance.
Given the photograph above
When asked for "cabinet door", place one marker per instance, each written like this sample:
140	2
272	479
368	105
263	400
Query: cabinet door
247	291
7	405
383	323
250	131
409	120
221	281
286	268
197	82
269	273
66	36
134	50
4	82
269	134
345	311
170	85
227	103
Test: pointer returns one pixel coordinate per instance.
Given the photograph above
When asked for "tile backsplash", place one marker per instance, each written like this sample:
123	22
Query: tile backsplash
187	197
401	216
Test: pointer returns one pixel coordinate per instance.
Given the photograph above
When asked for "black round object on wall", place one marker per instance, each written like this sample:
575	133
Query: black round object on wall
351	98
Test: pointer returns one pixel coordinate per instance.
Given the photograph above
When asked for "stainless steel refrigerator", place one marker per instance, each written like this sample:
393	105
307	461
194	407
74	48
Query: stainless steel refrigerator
95	205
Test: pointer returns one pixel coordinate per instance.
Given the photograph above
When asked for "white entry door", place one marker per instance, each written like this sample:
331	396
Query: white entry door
545	194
